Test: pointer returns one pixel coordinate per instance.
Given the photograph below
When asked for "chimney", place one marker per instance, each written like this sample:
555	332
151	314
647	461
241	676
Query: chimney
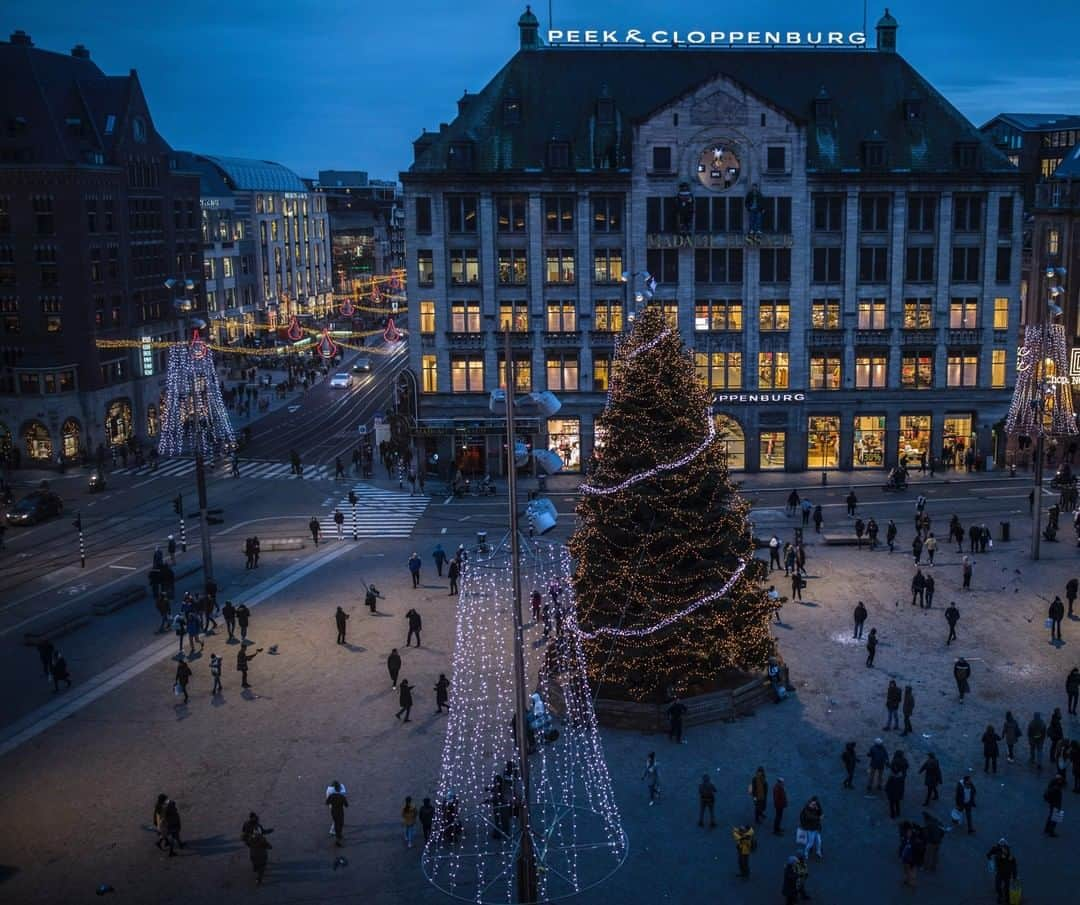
80	52
21	39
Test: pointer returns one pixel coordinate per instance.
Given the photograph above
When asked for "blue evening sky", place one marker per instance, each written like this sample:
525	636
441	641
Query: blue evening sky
348	84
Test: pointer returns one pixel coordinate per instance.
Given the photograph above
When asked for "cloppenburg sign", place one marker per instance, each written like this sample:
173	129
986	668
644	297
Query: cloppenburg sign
699	37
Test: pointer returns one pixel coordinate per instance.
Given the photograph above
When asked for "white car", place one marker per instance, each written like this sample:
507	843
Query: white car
342	380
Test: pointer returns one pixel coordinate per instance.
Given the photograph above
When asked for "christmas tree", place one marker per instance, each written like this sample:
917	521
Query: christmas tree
663	546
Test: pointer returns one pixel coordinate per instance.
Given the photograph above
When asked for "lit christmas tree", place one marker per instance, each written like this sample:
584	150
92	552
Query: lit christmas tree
194	417
663	543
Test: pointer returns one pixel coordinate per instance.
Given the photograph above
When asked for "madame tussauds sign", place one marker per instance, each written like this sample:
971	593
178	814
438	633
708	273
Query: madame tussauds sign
698	37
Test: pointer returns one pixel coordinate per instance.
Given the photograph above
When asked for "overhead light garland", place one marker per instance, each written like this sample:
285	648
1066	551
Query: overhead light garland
194	417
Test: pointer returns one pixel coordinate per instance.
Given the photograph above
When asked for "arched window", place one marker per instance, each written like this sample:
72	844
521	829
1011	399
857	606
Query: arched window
69	439
37	441
118	422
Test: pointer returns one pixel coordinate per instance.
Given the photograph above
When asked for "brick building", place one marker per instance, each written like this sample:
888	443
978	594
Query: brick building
94	217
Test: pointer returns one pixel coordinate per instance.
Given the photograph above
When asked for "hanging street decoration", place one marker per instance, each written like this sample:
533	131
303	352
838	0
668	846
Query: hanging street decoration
391	334
295	330
193	414
326	346
347	308
198	346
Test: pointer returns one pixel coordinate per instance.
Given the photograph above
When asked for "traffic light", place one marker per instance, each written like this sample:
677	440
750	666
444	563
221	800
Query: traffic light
178	505
212	519
352	497
77	524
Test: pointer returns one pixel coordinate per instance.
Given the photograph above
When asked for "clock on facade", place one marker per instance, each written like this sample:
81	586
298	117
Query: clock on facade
718	167
138	129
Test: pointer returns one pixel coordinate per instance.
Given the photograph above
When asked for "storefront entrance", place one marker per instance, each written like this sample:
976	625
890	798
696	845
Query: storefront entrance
470	456
37	442
956	439
732	441
823	441
70	438
914	439
118	422
772	449
564	439
869	441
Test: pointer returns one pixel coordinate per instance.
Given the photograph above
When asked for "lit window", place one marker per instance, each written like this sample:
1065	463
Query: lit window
465	317
427	316
562	371
918	314
429	374
825	314
1001	314
997	369
872	314
871	371
514	316
774	316
917	370
963	370
608	316
561	317
719	370
467	374
718	315
773	370
964	313
825	372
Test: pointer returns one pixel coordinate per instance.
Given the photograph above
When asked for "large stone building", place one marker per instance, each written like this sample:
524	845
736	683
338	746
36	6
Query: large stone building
267	239
1035	143
94	217
836	243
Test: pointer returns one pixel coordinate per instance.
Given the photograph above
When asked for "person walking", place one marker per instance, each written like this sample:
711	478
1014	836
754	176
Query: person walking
860	619
890	535
337	802
851	500
706	802
958	534
426	813
918	587
393	666
1074	760
228	613
341	618
860	530
243	616
339	469
917	548
1005	869
965	800
256	549
1072	586
404	699
183	676
759	792
171	547
973	538
872	532
194	627
60	672
161	603
339	520
442	694
962	673
1054	615
171	821
744	844
908	709
780	802
1055	734
415	625
414	569
928	591
651	775
1072	688
774	553
439	555
849	758
313	527
536	602
796	585
45	651
871	647
452	573
991	749
675	713
967	569
792	503
818	518
933	835
371	596
806	508
932	777
408	820
931	547
1036	736
879	759
258	851
894	793
243	658
952	616
249	553
893	696
1052	796
810	824
1010	732
215	674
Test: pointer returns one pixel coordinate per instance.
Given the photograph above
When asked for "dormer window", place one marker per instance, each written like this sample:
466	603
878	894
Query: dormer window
511	111
558	155
966	155
913	109
823	107
605	111
874	155
460	155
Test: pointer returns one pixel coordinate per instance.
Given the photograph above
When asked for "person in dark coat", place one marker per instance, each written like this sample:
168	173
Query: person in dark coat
426	815
183	676
1072	587
414	569
1055	614
242	660
780	802
851	501
932	777
965	800
916	550
1005	869
341	617
961	673
171	820
415	625
370	597
60	672
439	555
890	535
1036	736
860	530
952	616
404	699
893	697
974	533
313	527
1052	797
393	665
243	615
894	792
879	760
452	573
675	712
991	749
258	851
871	647
908	709
850	759
860	618
928	592
818	518
1010	732
796	585
228	612
442	693
337	802
1072	688
759	791
918	587
706	802
790	888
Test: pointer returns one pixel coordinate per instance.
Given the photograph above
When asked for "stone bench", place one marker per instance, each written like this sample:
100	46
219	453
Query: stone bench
118	599
840	540
58	627
277	544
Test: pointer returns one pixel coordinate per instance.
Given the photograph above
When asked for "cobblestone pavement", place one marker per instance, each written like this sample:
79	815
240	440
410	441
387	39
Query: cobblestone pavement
76	801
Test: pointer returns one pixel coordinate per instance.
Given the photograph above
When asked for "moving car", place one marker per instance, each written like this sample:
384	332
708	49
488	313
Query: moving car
35	507
362	365
341	380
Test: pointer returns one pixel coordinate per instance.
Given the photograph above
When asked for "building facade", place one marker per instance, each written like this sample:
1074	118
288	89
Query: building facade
266	232
836	244
1035	143
95	215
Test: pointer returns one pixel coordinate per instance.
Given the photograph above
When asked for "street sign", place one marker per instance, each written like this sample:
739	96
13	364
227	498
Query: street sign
362	430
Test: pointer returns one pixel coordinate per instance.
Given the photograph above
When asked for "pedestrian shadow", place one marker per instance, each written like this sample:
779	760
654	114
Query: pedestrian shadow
422	727
379	613
183	711
808	603
195	655
354	648
783	625
218	700
233	641
248	694
213	845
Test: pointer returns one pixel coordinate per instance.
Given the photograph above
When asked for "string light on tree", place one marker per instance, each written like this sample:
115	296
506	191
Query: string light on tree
1043	389
194	417
665	599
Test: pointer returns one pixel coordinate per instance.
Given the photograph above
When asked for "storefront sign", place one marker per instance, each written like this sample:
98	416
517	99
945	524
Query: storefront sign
758	398
1074	365
699	37
717	240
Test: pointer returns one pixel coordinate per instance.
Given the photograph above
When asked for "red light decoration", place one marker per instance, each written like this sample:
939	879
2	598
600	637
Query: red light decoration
376	295
198	347
295	330
271	317
347	308
326	346
391	334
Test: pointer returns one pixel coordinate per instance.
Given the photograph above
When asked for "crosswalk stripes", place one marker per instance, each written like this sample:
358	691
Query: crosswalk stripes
249	468
379	513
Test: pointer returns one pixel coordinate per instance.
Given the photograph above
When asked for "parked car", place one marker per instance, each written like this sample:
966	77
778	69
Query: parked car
35	507
341	380
362	365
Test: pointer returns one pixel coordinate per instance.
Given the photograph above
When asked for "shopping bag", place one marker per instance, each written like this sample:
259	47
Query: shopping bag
177	690
1058	815
800	836
957	815
1049	622
1016	893
990	869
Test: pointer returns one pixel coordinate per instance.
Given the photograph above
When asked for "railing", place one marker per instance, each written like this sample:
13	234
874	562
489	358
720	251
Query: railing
562	338
826	338
920	337
965	337
872	337
465	340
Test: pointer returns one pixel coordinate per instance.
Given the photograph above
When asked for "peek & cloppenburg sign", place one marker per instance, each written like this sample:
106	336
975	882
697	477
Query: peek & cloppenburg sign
701	37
